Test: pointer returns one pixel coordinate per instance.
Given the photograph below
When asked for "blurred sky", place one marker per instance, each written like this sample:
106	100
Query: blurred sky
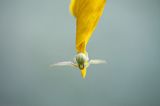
36	33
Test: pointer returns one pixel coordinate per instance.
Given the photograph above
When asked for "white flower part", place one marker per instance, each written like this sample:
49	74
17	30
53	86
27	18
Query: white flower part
96	61
64	63
74	60
87	56
81	57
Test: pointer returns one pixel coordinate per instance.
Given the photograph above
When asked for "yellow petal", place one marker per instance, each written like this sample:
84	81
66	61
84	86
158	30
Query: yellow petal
87	13
73	7
83	73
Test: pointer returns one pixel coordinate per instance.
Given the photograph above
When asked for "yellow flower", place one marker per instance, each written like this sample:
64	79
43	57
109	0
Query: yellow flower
87	14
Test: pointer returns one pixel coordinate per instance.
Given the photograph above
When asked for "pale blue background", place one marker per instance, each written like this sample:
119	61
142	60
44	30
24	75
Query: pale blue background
36	33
